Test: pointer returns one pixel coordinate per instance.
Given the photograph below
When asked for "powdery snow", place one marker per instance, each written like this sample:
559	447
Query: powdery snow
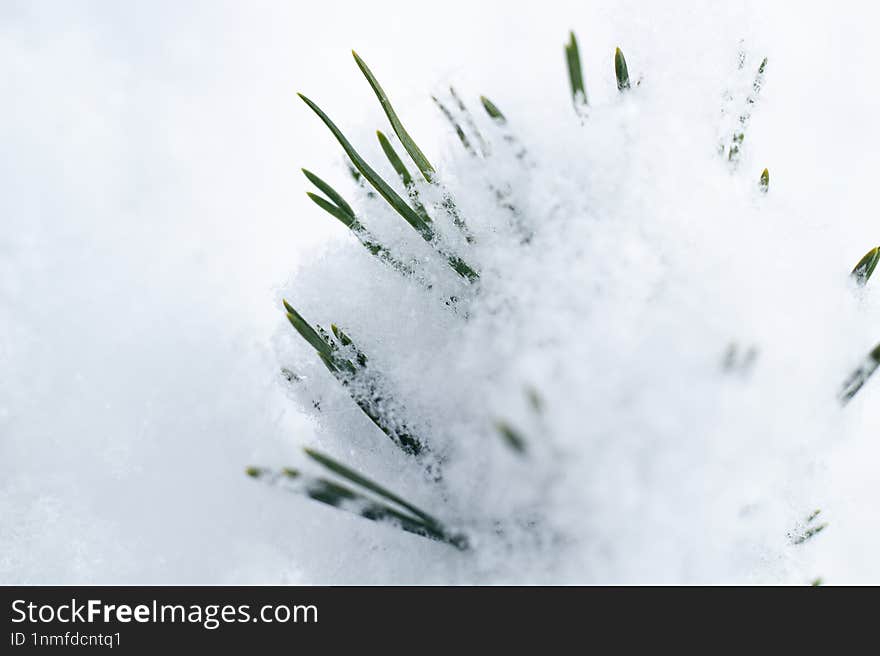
686	334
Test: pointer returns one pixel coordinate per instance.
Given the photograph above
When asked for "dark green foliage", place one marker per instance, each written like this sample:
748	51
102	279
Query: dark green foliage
511	437
735	147
863	270
764	183
469	120
575	76
350	366
396	163
409	145
384	189
493	112
351	500
860	376
500	120
311	336
809	529
365	394
404	175
459	131
341	470
329	191
620	71
342	211
399	204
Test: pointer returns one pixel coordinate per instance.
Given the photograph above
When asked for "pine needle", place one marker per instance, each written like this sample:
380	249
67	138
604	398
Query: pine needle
575	75
807	530
400	206
493	111
469	119
396	163
309	334
343	212
345	371
459	131
414	151
341	497
860	376
329	191
384	189
340	469
863	270
621	71
511	437
745	117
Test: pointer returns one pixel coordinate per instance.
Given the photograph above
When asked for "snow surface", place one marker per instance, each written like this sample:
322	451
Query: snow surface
154	216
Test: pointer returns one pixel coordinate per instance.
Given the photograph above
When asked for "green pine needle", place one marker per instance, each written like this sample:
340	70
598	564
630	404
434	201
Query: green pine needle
860	376
764	184
536	401
807	534
499	119
736	142
575	75
469	119
340	469
307	332
418	157
329	191
405	177
863	270
343	212
345	340
401	206
346	219
808	529
396	163
384	189
462	269
511	437
343	370
338	496
459	131
759	78
621	71
493	111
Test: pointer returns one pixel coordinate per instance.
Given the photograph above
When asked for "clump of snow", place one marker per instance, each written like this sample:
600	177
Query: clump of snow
685	333
667	340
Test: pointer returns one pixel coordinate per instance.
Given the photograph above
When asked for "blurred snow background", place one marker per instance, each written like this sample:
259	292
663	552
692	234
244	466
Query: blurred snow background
152	207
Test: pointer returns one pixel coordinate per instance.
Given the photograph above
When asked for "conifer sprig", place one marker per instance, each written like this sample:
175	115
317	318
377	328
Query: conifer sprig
734	148
338	208
357	502
391	197
810	528
459	131
365	395
350	366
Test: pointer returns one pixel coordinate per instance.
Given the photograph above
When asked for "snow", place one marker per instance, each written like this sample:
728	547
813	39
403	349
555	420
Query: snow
154	217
